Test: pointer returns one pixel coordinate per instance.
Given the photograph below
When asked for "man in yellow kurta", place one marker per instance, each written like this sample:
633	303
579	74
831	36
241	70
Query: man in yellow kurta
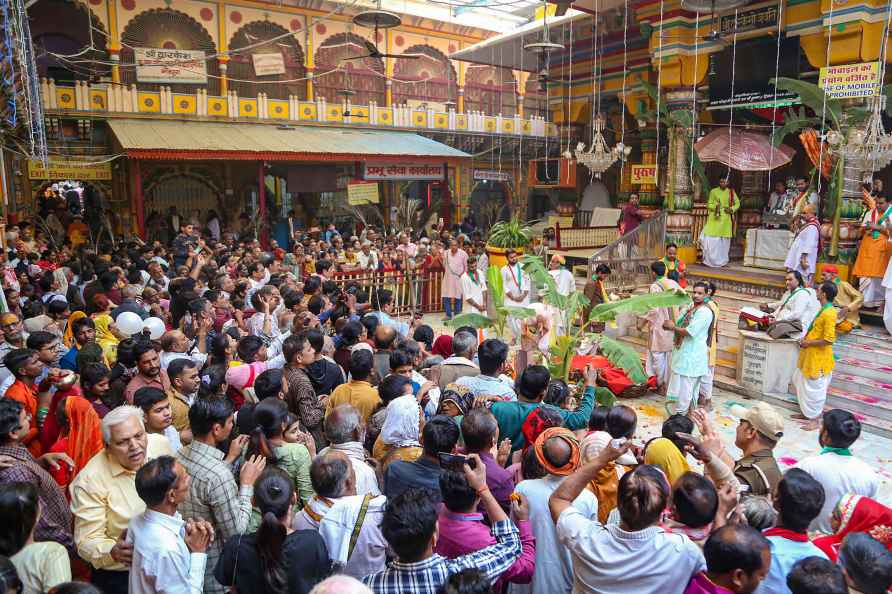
874	252
815	367
716	236
848	300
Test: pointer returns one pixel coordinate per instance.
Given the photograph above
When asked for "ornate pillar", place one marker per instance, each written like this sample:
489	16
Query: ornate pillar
519	99
753	190
114	41
309	59
224	81
682	226
222	46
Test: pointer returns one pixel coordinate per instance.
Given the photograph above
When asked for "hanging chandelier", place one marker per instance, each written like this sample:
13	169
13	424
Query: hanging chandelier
868	149
599	157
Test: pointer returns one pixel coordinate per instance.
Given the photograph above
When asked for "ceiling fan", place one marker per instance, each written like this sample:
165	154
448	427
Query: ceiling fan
379	19
716	34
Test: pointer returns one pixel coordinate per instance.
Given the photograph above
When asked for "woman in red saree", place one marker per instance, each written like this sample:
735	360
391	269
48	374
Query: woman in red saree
855	513
80	438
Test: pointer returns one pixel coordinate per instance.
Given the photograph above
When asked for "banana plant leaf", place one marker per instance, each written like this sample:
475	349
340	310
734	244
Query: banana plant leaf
624	357
519	312
887	91
812	96
494	286
561	352
544	282
473	320
638	304
794	122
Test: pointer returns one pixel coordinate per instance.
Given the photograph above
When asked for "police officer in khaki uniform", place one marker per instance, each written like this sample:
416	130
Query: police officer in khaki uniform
759	430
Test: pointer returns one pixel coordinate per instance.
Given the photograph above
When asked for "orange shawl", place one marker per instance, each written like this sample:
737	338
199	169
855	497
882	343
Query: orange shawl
84	431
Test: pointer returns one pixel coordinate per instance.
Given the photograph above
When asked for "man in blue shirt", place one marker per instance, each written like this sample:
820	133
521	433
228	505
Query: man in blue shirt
491	357
798	501
84	331
690	359
439	436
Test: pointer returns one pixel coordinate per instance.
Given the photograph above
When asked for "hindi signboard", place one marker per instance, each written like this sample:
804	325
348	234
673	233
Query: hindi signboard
57	169
268	64
750	20
172	66
403	172
851	80
360	193
492	175
643	174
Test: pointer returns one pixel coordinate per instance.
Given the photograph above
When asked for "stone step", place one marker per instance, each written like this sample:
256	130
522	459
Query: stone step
866	369
868	391
874	355
866	336
870	420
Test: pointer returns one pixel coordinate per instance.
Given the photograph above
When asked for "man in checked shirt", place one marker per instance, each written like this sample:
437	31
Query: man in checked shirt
410	528
213	495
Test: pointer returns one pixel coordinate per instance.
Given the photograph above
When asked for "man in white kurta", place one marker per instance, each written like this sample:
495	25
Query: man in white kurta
798	303
473	288
690	359
660	341
803	253
563	278
516	285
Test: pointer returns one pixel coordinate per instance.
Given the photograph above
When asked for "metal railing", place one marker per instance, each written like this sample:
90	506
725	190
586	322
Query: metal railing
413	291
630	256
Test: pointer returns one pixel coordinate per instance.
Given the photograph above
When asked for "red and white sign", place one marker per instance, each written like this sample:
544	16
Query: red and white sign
403	172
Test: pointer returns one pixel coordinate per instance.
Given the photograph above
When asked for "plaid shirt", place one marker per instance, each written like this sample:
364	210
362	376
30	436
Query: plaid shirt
55	517
214	496
302	401
426	577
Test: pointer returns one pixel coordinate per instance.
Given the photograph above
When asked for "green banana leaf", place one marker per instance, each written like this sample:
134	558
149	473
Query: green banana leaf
561	355
544	282
473	320
494	286
521	313
638	304
794	121
812	96
887	91
624	357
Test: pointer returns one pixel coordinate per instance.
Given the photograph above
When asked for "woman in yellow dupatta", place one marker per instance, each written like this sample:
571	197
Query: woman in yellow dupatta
663	453
68	335
105	337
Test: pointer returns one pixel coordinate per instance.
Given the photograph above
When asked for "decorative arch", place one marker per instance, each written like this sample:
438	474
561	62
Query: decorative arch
430	78
241	64
63	27
187	190
365	76
534	98
169	29
490	89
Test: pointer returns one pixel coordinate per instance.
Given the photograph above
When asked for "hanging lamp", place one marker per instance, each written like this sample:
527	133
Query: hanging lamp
599	157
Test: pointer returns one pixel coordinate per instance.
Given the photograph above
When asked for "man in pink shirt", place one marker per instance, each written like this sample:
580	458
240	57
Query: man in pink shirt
462	531
149	373
737	560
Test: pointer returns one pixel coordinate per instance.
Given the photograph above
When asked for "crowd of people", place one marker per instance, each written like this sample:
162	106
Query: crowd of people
214	416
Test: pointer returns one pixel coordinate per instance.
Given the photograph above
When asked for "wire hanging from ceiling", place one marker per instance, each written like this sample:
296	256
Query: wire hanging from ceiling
824	103
780	21
694	98
733	77
622	134
659	80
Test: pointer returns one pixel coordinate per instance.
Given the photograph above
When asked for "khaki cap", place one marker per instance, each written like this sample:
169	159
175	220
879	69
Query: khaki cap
763	417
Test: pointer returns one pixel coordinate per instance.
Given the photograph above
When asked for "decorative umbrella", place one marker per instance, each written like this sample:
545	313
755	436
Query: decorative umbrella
749	151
